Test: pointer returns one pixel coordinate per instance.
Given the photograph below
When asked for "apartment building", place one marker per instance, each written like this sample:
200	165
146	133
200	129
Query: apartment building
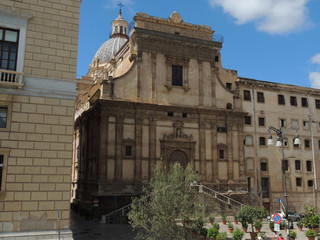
38	56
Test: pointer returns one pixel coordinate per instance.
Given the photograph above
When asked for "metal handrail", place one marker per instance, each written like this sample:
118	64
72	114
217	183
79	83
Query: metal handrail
218	196
121	210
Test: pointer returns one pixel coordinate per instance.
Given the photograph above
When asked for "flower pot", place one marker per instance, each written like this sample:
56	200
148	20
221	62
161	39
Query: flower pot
272	229
211	223
311	238
300	228
235	221
258	230
244	230
253	235
230	230
212	239
224	222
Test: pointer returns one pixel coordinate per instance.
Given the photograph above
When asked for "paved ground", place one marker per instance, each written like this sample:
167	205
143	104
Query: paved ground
85	230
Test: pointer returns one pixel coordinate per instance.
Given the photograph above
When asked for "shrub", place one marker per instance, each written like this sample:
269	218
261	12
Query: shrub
310	233
203	232
300	224
222	236
216	225
257	224
211	219
230	225
224	217
237	234
271	224
212	232
293	234
244	225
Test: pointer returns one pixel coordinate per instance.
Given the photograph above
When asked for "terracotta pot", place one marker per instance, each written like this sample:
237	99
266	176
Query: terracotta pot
235	221
258	230
244	230
272	229
311	238
253	235
300	228
211	223
224	222
212	239
230	230
315	229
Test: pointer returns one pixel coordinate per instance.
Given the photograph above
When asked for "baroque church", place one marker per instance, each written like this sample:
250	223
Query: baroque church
160	93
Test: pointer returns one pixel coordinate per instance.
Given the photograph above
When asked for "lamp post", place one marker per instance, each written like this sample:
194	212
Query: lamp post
280	140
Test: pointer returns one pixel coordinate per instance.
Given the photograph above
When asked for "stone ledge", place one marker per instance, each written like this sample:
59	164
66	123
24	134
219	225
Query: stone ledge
37	235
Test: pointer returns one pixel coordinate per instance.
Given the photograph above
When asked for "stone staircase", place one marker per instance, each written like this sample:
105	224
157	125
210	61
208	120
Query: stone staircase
118	216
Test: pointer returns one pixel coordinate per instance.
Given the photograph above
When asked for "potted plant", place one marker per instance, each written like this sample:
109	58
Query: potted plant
230	227
284	225
262	235
249	214
216	225
211	220
271	226
236	219
224	219
310	234
293	235
244	226
258	225
222	236
212	233
300	225
237	234
203	233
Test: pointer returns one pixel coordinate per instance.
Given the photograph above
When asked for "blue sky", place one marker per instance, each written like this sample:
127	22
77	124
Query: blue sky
270	40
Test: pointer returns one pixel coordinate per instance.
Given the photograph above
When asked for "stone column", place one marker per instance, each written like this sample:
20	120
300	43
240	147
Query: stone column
213	83
119	137
103	148
202	149
200	75
154	73
152	145
214	147
230	152
138	136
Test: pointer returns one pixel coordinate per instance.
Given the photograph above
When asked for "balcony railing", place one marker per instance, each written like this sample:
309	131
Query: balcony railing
11	79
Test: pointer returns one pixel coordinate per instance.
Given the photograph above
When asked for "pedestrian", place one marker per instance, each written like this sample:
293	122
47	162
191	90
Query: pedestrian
280	237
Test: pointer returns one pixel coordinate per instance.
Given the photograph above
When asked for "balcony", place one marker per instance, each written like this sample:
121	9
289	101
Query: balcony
11	79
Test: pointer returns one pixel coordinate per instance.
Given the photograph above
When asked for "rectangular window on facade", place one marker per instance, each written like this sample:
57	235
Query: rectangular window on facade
221	154
298	182
282	122
309	166
310	183
264	166
285	166
246	95
261	121
248	140
265	187
8	49
176	75
317	103
222	129
184	115
304	102
128	151
307	143
170	114
229	85
1	170
260	97
305	125
293	101
247	120
262	141
3	117
281	100
297	164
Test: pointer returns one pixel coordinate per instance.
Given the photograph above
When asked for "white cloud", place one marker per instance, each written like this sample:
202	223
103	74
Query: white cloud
316	58
314	78
271	16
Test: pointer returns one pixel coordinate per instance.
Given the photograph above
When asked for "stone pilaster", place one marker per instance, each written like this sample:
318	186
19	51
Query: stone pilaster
138	135
103	148
230	151
213	83
119	137
202	148
214	148
154	73
152	145
200	75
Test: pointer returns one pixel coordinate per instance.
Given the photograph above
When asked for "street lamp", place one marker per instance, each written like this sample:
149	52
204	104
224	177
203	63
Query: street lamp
280	140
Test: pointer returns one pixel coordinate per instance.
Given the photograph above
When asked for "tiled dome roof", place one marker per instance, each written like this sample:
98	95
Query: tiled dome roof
109	48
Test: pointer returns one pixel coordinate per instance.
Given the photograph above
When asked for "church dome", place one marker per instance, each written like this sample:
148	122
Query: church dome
118	39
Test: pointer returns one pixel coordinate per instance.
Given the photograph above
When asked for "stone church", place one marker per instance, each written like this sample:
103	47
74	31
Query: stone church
160	93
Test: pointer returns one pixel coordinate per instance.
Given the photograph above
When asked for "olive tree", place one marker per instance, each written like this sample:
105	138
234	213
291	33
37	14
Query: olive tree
166	204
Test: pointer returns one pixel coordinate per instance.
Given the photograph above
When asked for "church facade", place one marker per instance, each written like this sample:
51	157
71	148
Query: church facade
161	94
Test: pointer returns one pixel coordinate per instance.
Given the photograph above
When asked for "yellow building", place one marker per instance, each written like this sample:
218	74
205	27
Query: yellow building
38	56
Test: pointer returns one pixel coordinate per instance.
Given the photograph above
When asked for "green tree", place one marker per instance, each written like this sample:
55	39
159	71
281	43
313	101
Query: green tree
249	214
168	200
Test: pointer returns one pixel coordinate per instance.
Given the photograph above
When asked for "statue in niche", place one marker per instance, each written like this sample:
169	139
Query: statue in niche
178	133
